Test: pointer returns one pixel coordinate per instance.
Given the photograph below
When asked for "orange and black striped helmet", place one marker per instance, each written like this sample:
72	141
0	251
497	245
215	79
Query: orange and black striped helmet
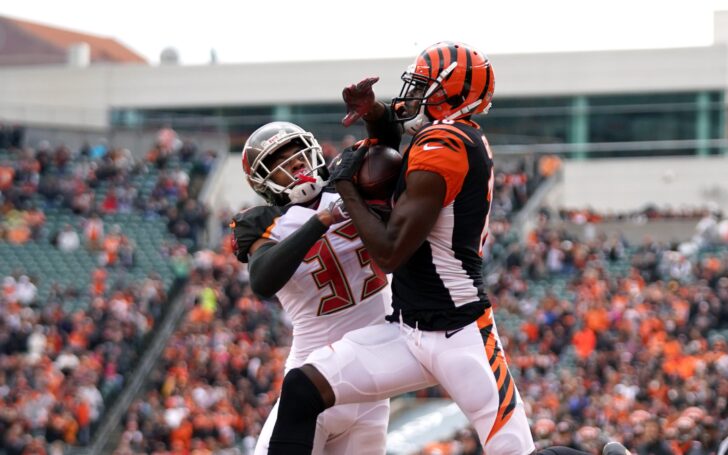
448	80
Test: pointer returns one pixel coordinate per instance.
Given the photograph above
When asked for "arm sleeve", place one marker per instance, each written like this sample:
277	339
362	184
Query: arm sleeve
440	150
273	264
385	129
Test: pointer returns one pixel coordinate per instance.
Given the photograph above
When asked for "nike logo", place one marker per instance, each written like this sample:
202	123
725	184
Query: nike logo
449	334
431	147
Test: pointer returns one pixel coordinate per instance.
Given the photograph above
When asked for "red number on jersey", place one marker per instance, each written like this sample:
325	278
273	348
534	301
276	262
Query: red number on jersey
330	274
378	279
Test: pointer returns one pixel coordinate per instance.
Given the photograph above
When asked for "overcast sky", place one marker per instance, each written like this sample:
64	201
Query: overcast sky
270	30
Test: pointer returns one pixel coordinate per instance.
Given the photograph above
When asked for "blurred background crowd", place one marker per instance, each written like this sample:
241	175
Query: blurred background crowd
607	339
128	327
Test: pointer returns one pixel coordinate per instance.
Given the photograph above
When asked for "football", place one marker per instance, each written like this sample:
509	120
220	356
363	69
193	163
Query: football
379	172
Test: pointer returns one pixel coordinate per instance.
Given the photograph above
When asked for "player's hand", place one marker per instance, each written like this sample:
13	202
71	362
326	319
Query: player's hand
347	164
334	213
359	99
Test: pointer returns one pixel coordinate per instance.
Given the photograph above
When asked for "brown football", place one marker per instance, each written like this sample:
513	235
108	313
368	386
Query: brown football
379	172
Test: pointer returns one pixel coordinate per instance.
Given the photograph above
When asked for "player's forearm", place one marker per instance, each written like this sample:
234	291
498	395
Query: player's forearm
381	125
272	265
373	231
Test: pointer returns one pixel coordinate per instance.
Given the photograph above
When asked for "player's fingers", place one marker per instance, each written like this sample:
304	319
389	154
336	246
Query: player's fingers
350	118
367	83
347	92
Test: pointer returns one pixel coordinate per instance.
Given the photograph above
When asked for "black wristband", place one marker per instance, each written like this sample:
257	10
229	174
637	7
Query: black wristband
385	129
273	264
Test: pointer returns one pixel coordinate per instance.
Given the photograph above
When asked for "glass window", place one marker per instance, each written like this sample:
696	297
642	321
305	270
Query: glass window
527	121
626	118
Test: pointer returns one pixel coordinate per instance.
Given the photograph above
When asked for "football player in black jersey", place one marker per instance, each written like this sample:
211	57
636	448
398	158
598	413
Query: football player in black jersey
442	330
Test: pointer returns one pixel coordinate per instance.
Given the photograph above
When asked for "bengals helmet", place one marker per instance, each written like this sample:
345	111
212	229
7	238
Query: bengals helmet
264	143
447	81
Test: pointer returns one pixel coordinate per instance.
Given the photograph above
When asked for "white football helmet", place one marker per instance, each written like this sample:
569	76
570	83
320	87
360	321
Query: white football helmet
264	143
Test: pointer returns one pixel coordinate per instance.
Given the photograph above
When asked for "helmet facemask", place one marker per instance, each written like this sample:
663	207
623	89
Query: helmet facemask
458	82
418	92
305	185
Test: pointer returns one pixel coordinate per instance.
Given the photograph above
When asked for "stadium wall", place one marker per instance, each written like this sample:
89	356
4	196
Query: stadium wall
59	95
623	185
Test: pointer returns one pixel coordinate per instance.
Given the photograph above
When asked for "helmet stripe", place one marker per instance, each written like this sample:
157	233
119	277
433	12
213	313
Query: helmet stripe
436	61
468	75
487	81
442	60
453	53
428	61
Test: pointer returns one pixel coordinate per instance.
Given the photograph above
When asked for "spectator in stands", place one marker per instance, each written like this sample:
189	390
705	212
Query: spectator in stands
68	239
25	291
7	175
100	149
220	373
93	232
16	226
35	219
653	442
110	203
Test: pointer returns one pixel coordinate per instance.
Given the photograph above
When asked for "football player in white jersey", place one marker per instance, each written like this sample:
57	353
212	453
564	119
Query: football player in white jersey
304	250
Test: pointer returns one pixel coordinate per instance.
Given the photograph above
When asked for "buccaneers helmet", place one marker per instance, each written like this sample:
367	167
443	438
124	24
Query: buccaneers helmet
447	81
264	143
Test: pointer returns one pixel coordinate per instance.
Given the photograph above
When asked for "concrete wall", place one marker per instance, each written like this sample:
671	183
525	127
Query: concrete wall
60	95
665	231
621	185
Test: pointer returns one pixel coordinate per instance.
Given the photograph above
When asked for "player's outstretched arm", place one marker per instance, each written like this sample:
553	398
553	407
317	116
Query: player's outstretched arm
361	103
392	243
382	126
272	264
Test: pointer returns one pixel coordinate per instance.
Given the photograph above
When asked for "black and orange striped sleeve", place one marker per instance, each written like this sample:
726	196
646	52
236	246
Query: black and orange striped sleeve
441	149
251	225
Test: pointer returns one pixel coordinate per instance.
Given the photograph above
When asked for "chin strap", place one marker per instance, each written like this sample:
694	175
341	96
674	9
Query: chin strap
412	126
306	191
464	111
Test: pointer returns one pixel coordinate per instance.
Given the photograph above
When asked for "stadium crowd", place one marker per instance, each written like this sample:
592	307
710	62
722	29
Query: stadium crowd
621	341
60	365
627	342
35	180
220	372
57	367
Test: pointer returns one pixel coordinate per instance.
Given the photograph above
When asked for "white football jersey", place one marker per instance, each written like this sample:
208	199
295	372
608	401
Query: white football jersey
336	289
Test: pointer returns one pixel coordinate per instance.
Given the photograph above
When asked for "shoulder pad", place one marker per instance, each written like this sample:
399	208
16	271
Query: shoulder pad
251	225
441	135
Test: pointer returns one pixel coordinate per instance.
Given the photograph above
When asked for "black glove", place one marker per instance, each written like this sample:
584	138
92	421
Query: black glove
347	164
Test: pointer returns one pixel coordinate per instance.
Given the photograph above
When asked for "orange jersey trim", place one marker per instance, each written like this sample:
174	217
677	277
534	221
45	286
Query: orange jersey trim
269	229
504	380
441	150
